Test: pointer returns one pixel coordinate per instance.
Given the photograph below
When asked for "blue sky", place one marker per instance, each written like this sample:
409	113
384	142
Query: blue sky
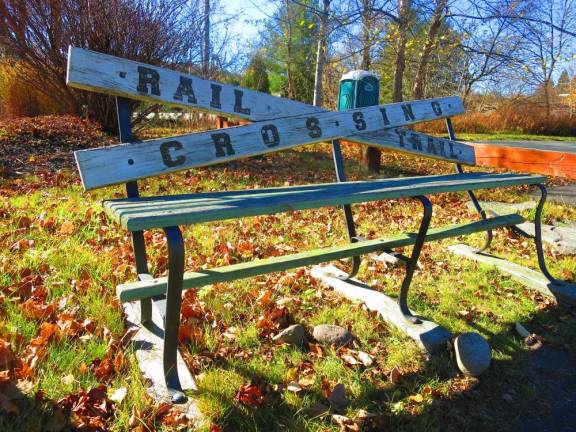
248	12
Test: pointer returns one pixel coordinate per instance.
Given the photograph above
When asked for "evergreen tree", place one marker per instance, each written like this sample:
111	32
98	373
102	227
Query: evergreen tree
256	76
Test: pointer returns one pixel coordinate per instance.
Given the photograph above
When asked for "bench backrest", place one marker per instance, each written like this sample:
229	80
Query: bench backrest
281	123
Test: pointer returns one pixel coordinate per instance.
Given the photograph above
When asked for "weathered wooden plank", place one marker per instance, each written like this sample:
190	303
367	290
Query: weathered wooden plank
103	73
428	335
149	288
127	162
90	70
156	212
407	141
563	292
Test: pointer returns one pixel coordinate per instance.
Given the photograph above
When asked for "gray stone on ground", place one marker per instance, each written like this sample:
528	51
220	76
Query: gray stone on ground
472	353
293	335
332	334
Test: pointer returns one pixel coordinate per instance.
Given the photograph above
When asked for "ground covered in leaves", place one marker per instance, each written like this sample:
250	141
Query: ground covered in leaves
65	358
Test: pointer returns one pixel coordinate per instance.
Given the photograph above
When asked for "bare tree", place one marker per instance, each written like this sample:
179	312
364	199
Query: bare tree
321	52
401	40
545	44
435	22
38	33
206	45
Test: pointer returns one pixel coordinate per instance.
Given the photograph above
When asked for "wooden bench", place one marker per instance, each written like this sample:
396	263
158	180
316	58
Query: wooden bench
278	124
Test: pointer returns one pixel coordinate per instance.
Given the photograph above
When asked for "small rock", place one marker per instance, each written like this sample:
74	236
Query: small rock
338	399
508	398
332	334
293	335
472	353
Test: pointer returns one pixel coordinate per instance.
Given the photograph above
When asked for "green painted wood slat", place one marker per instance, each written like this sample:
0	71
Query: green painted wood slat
149	288
157	212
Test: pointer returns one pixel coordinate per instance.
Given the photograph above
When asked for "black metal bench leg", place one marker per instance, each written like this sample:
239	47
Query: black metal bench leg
538	236
139	247
471	194
413	261
172	317
347	209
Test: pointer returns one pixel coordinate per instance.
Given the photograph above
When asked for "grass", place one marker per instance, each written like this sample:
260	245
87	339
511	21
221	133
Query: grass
82	267
508	136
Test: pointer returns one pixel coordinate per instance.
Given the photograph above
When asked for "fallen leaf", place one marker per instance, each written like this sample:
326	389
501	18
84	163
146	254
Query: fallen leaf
418	398
395	375
294	387
307	381
67	227
366	359
251	395
265	298
118	395
345	423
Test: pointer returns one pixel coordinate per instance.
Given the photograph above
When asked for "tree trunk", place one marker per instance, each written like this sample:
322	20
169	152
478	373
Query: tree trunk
366	25
403	12
289	77
420	81
206	53
321	53
371	156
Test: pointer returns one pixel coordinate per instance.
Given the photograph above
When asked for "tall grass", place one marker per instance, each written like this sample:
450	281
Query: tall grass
526	118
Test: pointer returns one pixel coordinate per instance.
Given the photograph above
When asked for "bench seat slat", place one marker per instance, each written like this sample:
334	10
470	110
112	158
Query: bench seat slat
158	212
153	287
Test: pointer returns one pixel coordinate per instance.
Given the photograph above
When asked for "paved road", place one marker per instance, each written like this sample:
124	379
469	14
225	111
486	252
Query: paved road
558	146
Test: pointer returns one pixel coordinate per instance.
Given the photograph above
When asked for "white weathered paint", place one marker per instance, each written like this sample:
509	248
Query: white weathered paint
90	70
126	162
113	75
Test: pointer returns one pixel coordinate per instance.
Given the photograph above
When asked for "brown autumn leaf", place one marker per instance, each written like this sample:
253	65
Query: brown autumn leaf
7	357
23	222
345	423
190	332
395	375
89	410
67	228
251	395
36	309
265	298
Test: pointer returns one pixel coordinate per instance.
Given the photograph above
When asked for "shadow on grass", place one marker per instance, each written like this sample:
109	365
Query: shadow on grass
524	390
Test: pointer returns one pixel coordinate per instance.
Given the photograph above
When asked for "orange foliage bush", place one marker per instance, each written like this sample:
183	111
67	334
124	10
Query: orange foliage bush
20	99
527	118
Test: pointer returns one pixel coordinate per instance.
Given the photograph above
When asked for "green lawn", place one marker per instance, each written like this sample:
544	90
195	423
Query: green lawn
506	136
59	249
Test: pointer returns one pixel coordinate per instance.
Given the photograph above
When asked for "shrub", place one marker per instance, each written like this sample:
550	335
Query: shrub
18	98
526	117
